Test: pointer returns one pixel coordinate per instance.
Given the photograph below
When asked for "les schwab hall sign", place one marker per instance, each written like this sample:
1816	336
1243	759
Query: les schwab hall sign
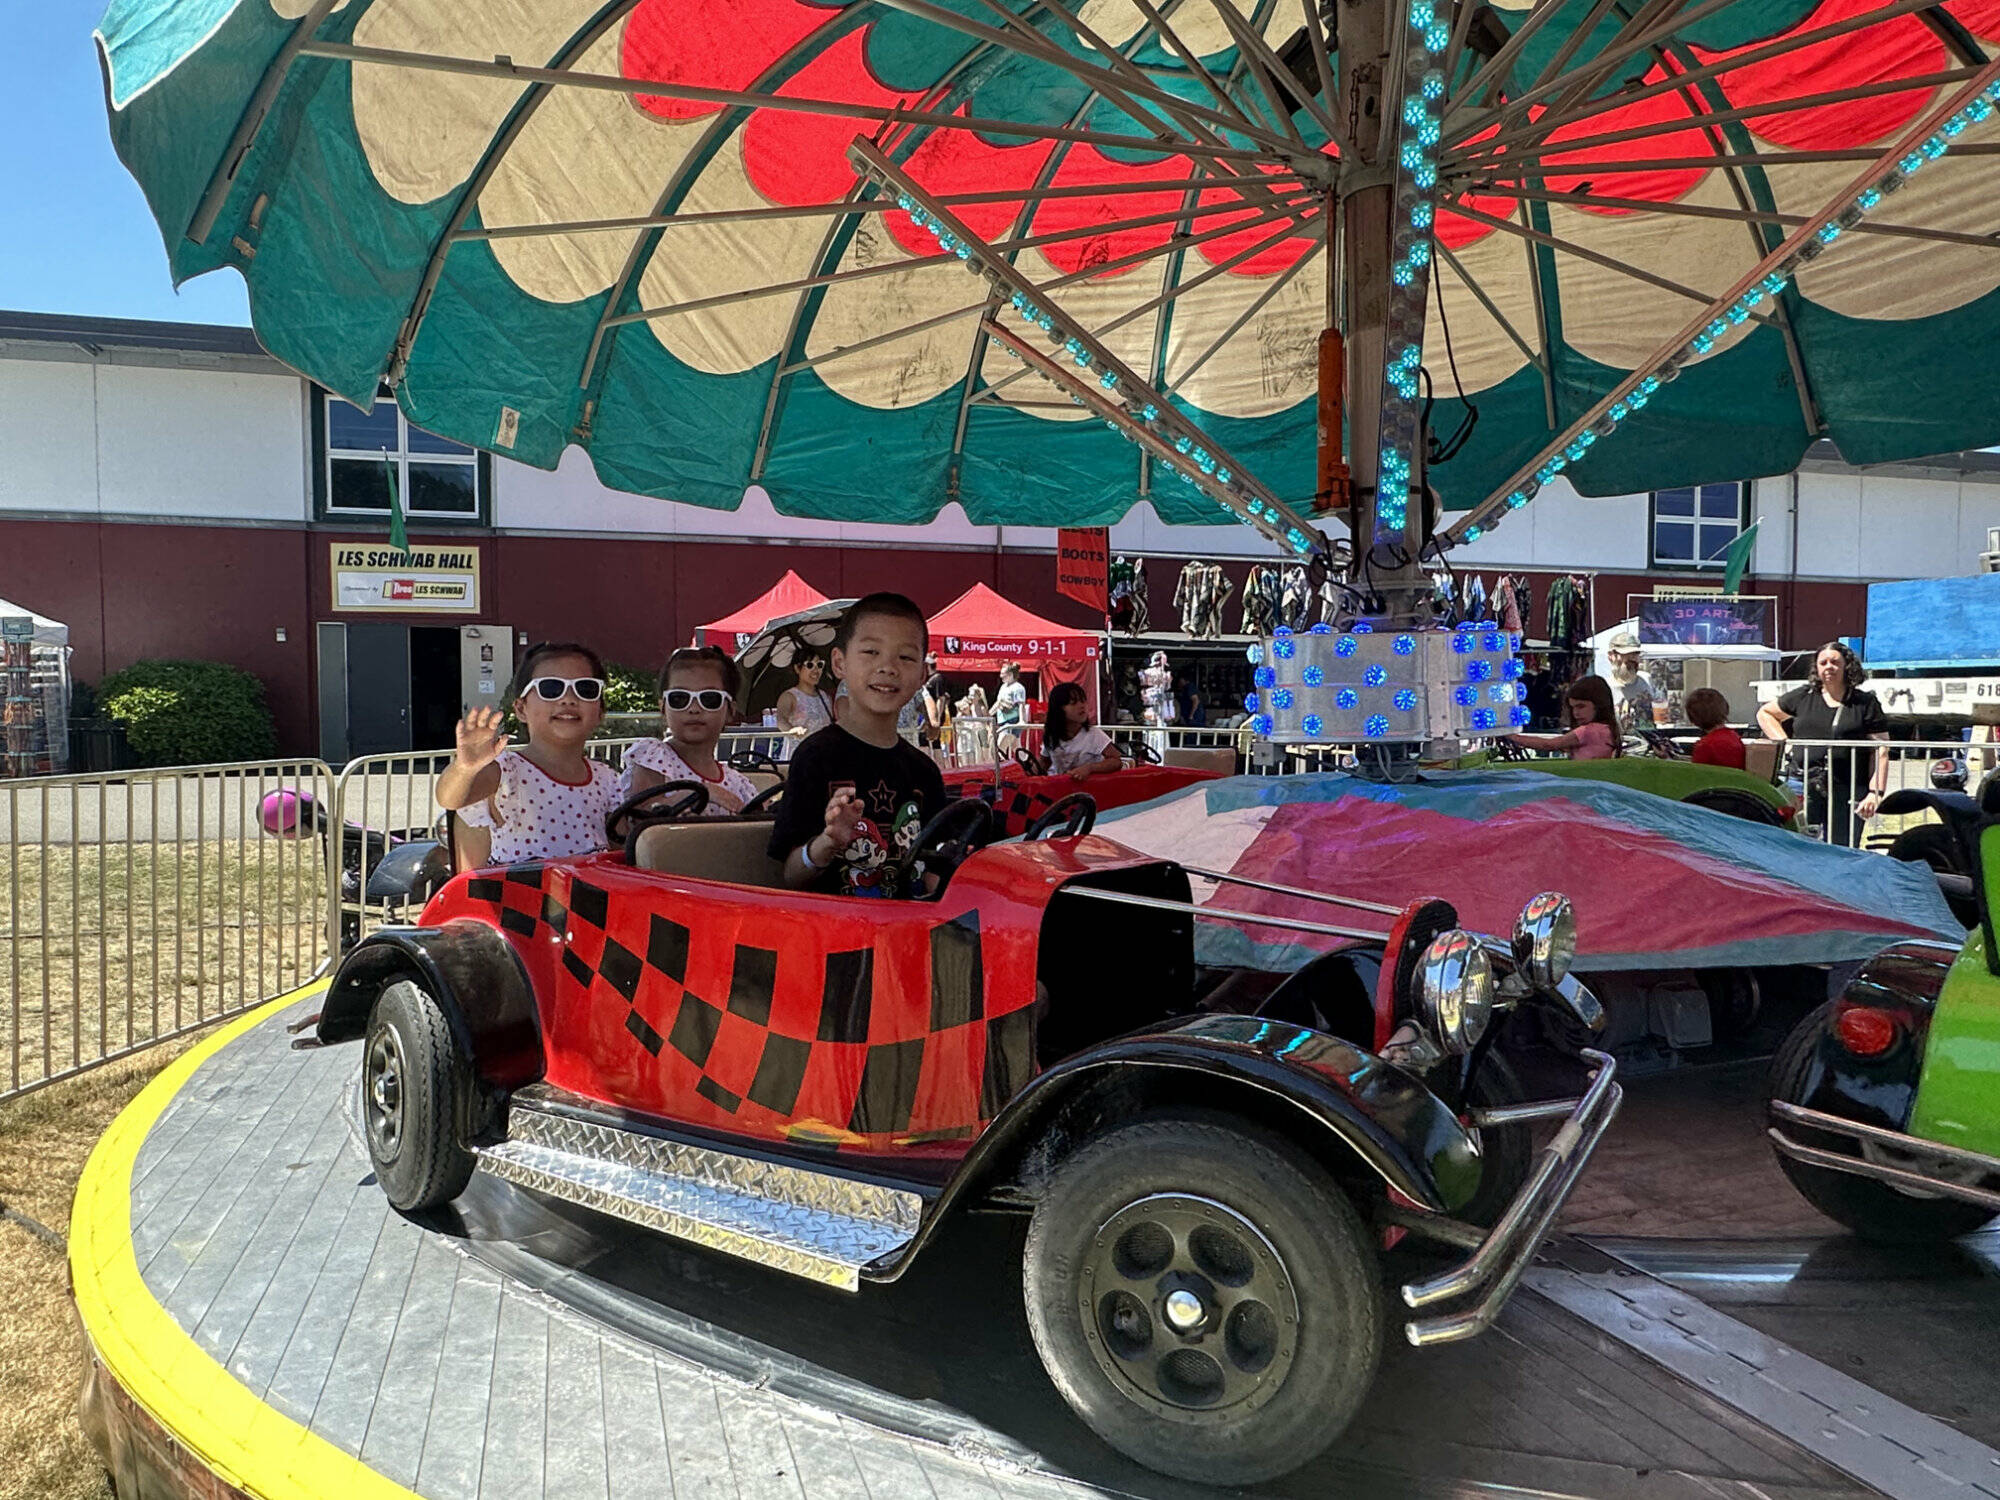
378	578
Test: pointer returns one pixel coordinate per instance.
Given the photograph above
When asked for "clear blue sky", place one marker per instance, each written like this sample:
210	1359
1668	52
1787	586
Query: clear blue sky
78	236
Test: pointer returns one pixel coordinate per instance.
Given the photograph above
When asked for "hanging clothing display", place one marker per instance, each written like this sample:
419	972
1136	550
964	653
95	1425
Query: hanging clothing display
1128	596
1506	604
1156	685
1444	599
1215	591
1188	596
1262	590
1294	599
1524	601
1472	599
1569	612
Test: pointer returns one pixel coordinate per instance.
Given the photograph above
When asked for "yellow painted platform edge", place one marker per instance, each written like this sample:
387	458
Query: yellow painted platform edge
179	1384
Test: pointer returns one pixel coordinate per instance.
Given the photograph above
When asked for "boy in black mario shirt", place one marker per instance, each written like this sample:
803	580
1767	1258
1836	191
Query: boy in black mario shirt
856	792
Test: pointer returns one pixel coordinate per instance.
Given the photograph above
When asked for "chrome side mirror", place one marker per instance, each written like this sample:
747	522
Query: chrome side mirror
1545	939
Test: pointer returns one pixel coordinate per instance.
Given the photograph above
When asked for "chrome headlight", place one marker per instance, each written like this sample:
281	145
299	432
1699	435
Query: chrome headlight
1545	939
1457	989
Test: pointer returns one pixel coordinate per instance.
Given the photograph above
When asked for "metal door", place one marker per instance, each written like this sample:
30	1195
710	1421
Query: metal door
378	689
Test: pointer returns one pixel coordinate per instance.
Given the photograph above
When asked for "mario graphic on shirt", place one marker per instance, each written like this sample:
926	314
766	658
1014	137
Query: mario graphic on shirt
867	869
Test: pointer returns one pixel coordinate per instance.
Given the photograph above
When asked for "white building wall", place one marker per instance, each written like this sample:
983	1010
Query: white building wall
101	438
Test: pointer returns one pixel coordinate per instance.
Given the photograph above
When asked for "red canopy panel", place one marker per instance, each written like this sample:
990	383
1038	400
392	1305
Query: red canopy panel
979	631
787	596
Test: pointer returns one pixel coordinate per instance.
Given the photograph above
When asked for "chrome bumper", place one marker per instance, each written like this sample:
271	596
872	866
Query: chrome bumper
1919	1151
1502	1257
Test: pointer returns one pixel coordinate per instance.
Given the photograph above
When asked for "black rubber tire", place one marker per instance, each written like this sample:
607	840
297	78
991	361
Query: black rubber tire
1507	1154
1319	1240
1932	844
1735	1000
1873	1210
420	1163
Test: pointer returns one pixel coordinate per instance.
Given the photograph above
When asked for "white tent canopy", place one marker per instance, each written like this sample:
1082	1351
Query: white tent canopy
47	632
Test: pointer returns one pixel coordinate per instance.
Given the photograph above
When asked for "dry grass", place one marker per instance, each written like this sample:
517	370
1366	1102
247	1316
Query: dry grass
103	949
44	1139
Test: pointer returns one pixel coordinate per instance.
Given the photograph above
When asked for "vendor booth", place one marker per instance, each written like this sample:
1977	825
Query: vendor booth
34	669
981	632
790	595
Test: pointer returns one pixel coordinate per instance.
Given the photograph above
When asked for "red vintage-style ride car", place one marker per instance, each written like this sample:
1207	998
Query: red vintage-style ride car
1211	1162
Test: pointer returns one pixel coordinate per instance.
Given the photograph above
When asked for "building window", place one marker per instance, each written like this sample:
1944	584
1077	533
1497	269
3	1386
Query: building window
437	479
1692	528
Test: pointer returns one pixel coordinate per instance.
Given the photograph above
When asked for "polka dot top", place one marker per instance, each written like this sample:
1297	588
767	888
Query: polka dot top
658	755
534	816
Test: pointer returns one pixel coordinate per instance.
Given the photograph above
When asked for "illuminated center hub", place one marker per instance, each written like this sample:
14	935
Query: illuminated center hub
1387	686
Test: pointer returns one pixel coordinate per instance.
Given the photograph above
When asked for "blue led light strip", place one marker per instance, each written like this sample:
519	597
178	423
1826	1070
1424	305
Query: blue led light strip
1418	127
1921	145
1095	378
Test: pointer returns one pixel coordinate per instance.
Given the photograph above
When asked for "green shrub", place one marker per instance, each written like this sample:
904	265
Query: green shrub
630	690
189	713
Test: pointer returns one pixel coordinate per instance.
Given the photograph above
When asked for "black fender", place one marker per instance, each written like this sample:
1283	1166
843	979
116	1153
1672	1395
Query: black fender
476	977
408	872
1316	1088
1903	981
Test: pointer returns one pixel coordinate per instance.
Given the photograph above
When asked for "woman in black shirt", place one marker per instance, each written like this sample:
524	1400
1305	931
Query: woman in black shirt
1833	707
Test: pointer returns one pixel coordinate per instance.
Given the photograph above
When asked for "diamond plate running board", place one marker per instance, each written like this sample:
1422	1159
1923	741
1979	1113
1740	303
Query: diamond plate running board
811	1224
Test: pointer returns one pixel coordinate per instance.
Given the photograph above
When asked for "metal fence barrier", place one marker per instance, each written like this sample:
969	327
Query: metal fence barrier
145	904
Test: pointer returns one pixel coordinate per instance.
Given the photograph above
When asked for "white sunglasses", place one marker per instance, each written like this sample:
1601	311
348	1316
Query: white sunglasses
680	700
587	689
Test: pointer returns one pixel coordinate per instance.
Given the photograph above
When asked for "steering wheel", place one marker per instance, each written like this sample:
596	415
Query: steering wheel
1505	749
1066	818
679	800
1030	762
756	761
1140	752
762	802
947	841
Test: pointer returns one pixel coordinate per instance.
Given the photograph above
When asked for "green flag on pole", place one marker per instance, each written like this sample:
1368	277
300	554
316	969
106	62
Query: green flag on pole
1736	561
398	537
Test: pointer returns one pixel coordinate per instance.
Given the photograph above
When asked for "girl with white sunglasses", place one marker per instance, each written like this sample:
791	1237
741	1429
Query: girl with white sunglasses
546	799
698	688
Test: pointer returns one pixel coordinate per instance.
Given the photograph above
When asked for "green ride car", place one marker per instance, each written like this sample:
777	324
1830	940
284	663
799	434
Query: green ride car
1885	1102
1721	788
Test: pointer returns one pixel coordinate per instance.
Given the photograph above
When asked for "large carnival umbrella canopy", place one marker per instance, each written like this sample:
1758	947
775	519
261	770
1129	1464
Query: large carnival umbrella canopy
634	226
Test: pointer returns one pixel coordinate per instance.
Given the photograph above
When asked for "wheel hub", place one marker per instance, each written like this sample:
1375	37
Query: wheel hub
1188	1308
382	1072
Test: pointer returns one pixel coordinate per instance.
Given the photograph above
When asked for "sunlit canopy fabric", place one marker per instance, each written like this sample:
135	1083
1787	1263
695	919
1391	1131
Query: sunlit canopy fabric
388	217
787	596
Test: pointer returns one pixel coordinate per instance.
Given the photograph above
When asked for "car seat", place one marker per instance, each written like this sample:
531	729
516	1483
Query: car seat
731	849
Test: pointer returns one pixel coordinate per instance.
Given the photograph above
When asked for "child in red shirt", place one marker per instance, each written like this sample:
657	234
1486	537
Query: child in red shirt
1720	746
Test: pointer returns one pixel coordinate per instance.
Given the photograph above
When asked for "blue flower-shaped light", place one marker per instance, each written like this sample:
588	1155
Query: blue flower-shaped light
1517	716
1376	727
1465	697
1406	699
1313	725
1461	643
1501	692
1376	675
1264	677
1249	703
1347	645
1322	628
1282	631
1512	669
1314	675
1482	718
1362	627
1478	671
1284	648
1406	645
1494	641
1254	652
1282	698
1261	725
1346	698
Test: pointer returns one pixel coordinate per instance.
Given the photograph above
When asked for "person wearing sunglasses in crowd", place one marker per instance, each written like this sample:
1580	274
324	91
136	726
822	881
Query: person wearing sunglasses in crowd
547	799
698	688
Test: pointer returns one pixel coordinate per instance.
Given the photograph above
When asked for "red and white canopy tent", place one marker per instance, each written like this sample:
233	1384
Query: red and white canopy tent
733	631
980	631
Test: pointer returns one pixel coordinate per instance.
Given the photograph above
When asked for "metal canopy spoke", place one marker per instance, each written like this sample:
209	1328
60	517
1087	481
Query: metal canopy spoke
1740	214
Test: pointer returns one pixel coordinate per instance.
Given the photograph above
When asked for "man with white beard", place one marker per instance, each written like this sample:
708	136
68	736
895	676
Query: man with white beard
1629	686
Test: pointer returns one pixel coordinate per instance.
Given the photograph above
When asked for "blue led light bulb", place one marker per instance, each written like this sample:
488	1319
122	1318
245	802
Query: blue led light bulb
1281	698
1478	670
1313	725
1376	675
1314	675
1494	641
1406	699
1261	726
1346	698
1406	645
1322	628
1347	645
1500	692
1264	677
1465	697
1254	652
1483	718
1517	716
1461	642
1362	627
1513	669
1376	726
1284	648
1250	701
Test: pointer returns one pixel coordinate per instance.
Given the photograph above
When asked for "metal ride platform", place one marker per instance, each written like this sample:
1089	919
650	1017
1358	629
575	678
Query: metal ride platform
263	1323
